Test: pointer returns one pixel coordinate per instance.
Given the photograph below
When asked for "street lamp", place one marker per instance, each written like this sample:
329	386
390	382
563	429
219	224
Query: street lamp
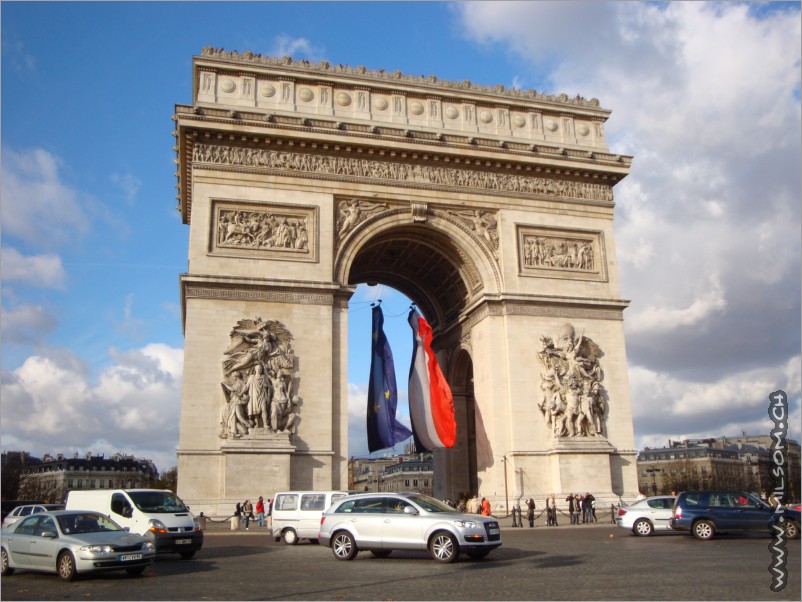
653	472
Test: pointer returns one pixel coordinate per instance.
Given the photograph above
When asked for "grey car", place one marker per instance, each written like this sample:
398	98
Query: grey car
646	516
383	522
71	543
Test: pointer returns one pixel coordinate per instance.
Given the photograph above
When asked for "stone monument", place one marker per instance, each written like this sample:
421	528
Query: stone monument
491	208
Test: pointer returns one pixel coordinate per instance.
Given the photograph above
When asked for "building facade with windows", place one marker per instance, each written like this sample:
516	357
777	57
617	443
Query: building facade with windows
742	463
53	477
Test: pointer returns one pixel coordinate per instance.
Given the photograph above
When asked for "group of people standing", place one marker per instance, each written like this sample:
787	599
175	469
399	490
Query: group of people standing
582	508
471	505
245	512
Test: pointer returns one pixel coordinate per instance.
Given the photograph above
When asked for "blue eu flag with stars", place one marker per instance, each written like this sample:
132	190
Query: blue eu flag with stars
383	428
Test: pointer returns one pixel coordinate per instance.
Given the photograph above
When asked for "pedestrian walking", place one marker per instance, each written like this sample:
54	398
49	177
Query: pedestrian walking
485	507
530	512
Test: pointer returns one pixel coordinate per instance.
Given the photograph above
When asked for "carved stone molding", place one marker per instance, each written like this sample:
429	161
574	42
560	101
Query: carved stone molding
394	76
561	253
290	163
553	308
235	293
264	230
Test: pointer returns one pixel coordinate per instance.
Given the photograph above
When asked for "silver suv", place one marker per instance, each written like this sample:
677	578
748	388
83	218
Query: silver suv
383	522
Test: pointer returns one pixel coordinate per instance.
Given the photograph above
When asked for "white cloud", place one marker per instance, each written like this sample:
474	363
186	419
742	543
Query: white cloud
129	184
26	324
38	207
44	271
297	48
133	407
706	98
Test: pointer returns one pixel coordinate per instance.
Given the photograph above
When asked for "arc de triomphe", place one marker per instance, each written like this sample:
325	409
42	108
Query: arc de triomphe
492	209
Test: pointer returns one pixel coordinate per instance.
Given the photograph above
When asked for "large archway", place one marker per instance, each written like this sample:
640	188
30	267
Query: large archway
491	209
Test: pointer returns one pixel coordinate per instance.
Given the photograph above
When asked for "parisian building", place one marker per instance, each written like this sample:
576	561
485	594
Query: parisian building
54	476
743	463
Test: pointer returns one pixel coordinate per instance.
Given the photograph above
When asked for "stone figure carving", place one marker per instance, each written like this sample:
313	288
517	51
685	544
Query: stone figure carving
351	213
261	230
571	392
289	162
483	223
258	380
555	252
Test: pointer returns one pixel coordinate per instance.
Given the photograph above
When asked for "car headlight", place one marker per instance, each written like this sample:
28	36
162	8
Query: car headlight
156	526
465	524
97	549
148	547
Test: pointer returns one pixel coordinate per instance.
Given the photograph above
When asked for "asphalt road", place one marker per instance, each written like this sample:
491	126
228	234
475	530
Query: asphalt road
583	562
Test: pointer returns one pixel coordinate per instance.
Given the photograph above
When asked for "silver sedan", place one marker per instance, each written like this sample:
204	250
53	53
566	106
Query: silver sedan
647	516
73	542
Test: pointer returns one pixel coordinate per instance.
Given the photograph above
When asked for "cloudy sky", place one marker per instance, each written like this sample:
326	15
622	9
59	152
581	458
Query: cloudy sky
706	97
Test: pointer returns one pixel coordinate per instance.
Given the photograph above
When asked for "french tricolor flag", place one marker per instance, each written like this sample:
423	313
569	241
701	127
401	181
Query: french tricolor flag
431	405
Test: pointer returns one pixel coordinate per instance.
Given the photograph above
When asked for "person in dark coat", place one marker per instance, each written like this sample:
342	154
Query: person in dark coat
530	512
570	500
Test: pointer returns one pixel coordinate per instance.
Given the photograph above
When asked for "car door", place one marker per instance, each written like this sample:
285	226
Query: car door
44	543
721	510
660	512
366	521
402	526
751	513
19	542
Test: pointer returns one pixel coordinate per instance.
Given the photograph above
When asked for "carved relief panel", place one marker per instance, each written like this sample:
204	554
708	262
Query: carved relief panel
560	253
272	231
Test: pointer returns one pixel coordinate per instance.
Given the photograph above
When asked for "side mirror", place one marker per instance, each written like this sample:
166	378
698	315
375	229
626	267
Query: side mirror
410	510
49	534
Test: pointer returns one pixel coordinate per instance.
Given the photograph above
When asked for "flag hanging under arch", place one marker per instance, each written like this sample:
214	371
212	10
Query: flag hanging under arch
384	430
431	405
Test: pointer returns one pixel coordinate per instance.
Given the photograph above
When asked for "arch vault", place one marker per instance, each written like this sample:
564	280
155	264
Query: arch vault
492	209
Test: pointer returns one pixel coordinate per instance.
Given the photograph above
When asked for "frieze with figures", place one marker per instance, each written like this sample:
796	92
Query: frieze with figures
561	253
259	381
271	228
215	154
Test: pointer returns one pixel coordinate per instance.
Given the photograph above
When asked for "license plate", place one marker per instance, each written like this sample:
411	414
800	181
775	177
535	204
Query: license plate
183	542
493	531
127	557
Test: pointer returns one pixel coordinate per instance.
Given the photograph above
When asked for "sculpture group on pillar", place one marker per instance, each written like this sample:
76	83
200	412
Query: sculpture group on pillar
571	401
258	380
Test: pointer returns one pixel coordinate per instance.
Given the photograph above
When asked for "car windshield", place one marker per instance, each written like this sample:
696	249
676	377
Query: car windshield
87	522
157	501
431	504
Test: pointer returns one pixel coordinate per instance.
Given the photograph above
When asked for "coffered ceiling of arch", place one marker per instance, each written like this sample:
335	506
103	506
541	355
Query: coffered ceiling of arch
423	266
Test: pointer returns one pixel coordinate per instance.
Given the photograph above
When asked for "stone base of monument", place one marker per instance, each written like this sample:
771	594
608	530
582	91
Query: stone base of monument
581	464
257	464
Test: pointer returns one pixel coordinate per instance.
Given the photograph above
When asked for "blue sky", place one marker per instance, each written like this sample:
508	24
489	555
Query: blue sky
704	96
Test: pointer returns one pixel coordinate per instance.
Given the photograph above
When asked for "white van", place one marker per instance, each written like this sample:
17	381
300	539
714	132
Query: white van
157	514
296	514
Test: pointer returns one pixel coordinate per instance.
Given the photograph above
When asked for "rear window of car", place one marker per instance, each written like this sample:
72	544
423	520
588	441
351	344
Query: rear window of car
694	498
371	505
659	503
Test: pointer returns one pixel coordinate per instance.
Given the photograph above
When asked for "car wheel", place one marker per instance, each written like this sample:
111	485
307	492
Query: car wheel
187	555
66	566
136	570
343	546
642	527
290	537
477	554
703	530
7	570
791	531
381	553
444	547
